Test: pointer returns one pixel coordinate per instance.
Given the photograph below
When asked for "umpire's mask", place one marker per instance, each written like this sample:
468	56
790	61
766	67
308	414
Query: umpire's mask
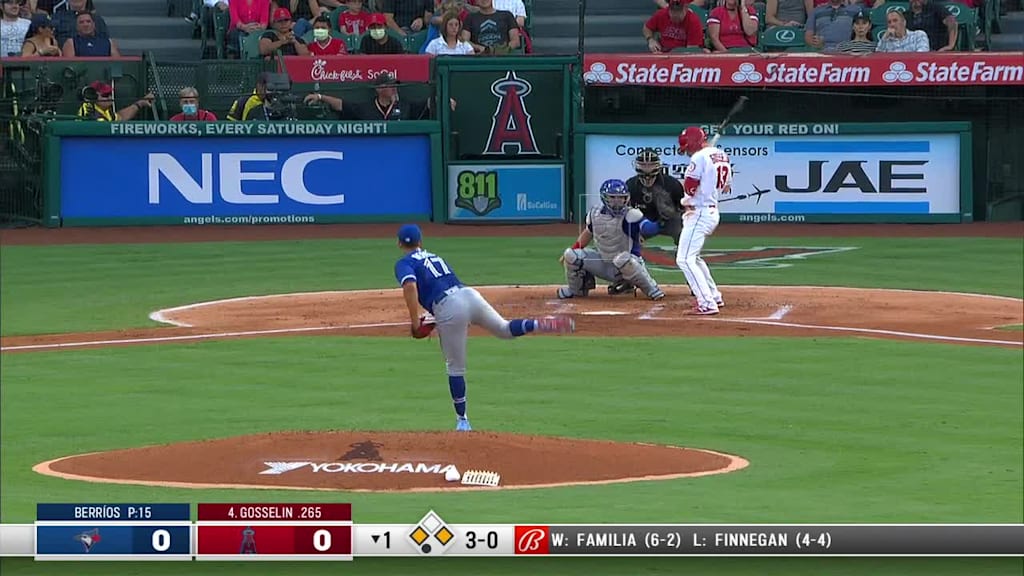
648	166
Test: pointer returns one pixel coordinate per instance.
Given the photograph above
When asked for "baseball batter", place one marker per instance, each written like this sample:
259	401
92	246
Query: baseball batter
657	195
428	281
614	228
707	177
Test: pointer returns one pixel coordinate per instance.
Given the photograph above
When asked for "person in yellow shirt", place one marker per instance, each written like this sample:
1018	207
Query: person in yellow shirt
99	104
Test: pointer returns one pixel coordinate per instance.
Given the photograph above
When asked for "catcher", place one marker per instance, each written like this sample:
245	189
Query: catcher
614	228
657	195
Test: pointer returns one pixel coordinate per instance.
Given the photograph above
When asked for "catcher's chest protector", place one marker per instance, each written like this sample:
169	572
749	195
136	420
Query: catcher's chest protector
608	234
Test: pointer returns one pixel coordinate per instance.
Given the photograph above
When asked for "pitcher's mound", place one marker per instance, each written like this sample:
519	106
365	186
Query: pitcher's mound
388	461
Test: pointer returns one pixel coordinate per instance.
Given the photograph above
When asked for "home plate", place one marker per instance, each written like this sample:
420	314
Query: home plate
604	313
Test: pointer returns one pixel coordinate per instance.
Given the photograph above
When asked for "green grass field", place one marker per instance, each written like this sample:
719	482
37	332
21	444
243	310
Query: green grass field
838	430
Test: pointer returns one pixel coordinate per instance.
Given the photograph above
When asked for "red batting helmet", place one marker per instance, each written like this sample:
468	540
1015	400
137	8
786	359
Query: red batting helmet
692	140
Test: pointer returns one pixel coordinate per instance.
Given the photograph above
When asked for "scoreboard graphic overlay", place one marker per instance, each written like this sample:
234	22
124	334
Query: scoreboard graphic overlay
325	531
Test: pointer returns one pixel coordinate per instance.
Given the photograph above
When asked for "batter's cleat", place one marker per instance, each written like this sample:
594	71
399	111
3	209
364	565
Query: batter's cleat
720	303
620	287
702	311
462	425
559	324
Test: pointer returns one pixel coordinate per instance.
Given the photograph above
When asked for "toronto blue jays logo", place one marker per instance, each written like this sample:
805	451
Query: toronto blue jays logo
88	539
511	131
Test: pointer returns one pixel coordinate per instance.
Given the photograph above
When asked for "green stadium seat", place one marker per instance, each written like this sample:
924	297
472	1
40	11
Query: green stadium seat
413	42
967	20
781	38
703	13
352	42
761	18
221	21
741	50
251	47
878	14
335	15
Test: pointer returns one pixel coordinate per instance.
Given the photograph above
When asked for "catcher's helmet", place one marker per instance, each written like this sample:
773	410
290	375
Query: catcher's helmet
692	140
615	196
648	166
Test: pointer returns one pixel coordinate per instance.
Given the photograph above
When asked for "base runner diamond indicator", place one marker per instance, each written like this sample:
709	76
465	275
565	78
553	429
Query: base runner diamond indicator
429	526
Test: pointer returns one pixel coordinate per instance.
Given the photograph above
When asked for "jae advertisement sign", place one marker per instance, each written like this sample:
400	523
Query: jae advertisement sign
807	177
244	180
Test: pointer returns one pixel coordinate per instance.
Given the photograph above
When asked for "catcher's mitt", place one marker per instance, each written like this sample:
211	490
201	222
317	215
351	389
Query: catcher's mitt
427	325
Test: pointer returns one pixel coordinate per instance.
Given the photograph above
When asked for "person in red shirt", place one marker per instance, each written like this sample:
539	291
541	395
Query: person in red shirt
323	44
355	21
730	27
190	110
678	26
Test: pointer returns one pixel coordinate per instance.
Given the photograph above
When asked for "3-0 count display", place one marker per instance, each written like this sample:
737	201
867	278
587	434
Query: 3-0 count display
488	539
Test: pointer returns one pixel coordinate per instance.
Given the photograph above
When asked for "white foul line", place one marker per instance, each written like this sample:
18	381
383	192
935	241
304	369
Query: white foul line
871	331
175	338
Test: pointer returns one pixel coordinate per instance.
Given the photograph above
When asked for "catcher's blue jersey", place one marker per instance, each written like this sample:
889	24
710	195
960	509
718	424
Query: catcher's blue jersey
432	274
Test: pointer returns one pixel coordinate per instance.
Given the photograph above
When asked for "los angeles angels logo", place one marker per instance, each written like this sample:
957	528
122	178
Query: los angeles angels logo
511	132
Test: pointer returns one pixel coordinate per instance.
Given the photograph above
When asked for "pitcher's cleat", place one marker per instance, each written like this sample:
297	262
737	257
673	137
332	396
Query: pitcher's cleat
559	324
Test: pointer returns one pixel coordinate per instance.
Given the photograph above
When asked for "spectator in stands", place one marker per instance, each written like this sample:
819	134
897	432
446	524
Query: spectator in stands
323	44
385	106
830	24
280	37
787	12
302	14
732	27
678	27
897	38
51	7
247	17
450	43
377	40
937	23
86	44
328	6
99	104
860	42
65	22
407	16
355	20
250	106
13	29
442	8
491	31
188	99
664	3
40	40
516	7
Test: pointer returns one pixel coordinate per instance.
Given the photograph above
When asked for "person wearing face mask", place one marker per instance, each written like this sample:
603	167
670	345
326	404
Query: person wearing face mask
323	44
377	40
190	110
657	195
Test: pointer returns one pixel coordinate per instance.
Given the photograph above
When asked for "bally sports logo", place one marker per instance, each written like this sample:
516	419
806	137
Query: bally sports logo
532	540
277	468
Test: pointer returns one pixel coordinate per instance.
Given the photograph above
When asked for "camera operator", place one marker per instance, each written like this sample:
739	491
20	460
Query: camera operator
98	104
271	100
386	106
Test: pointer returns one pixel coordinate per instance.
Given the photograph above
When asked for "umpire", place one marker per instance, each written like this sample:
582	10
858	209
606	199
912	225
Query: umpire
657	195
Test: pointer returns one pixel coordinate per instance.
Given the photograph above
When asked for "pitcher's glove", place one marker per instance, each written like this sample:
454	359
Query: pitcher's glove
427	325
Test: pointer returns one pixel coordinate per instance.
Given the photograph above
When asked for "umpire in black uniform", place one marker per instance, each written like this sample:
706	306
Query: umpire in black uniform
657	195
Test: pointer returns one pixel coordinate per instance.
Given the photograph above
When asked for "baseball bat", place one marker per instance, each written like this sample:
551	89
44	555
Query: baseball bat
736	108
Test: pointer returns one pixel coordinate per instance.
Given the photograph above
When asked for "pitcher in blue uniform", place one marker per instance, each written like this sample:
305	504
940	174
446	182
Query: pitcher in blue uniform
428	281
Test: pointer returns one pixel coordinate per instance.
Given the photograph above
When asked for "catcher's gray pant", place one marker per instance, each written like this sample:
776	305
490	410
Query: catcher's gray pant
454	314
582	261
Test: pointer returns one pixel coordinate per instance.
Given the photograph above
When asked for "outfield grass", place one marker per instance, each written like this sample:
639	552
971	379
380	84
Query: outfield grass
836	429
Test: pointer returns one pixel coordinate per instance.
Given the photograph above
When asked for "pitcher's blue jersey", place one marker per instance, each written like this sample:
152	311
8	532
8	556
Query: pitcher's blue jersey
432	275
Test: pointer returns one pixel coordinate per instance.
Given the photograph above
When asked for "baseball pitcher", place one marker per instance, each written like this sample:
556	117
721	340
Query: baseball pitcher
428	281
707	177
614	228
657	195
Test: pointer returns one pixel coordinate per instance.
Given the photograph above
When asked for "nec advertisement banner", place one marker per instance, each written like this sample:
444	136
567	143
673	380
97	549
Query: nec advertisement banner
245	180
511	192
823	178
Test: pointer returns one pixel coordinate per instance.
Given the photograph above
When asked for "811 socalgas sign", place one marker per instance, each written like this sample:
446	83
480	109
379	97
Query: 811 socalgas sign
169	177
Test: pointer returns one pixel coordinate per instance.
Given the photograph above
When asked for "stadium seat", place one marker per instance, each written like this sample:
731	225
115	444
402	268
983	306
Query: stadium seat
251	47
761	18
741	50
413	42
781	38
967	20
878	14
352	42
335	15
703	13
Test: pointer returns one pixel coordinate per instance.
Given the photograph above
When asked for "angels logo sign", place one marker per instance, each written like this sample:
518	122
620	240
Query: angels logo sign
511	132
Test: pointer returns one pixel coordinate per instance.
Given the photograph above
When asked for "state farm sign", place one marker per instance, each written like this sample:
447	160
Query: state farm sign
913	69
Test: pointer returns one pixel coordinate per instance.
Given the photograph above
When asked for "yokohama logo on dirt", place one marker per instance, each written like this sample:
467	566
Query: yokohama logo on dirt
532	540
276	468
902	69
